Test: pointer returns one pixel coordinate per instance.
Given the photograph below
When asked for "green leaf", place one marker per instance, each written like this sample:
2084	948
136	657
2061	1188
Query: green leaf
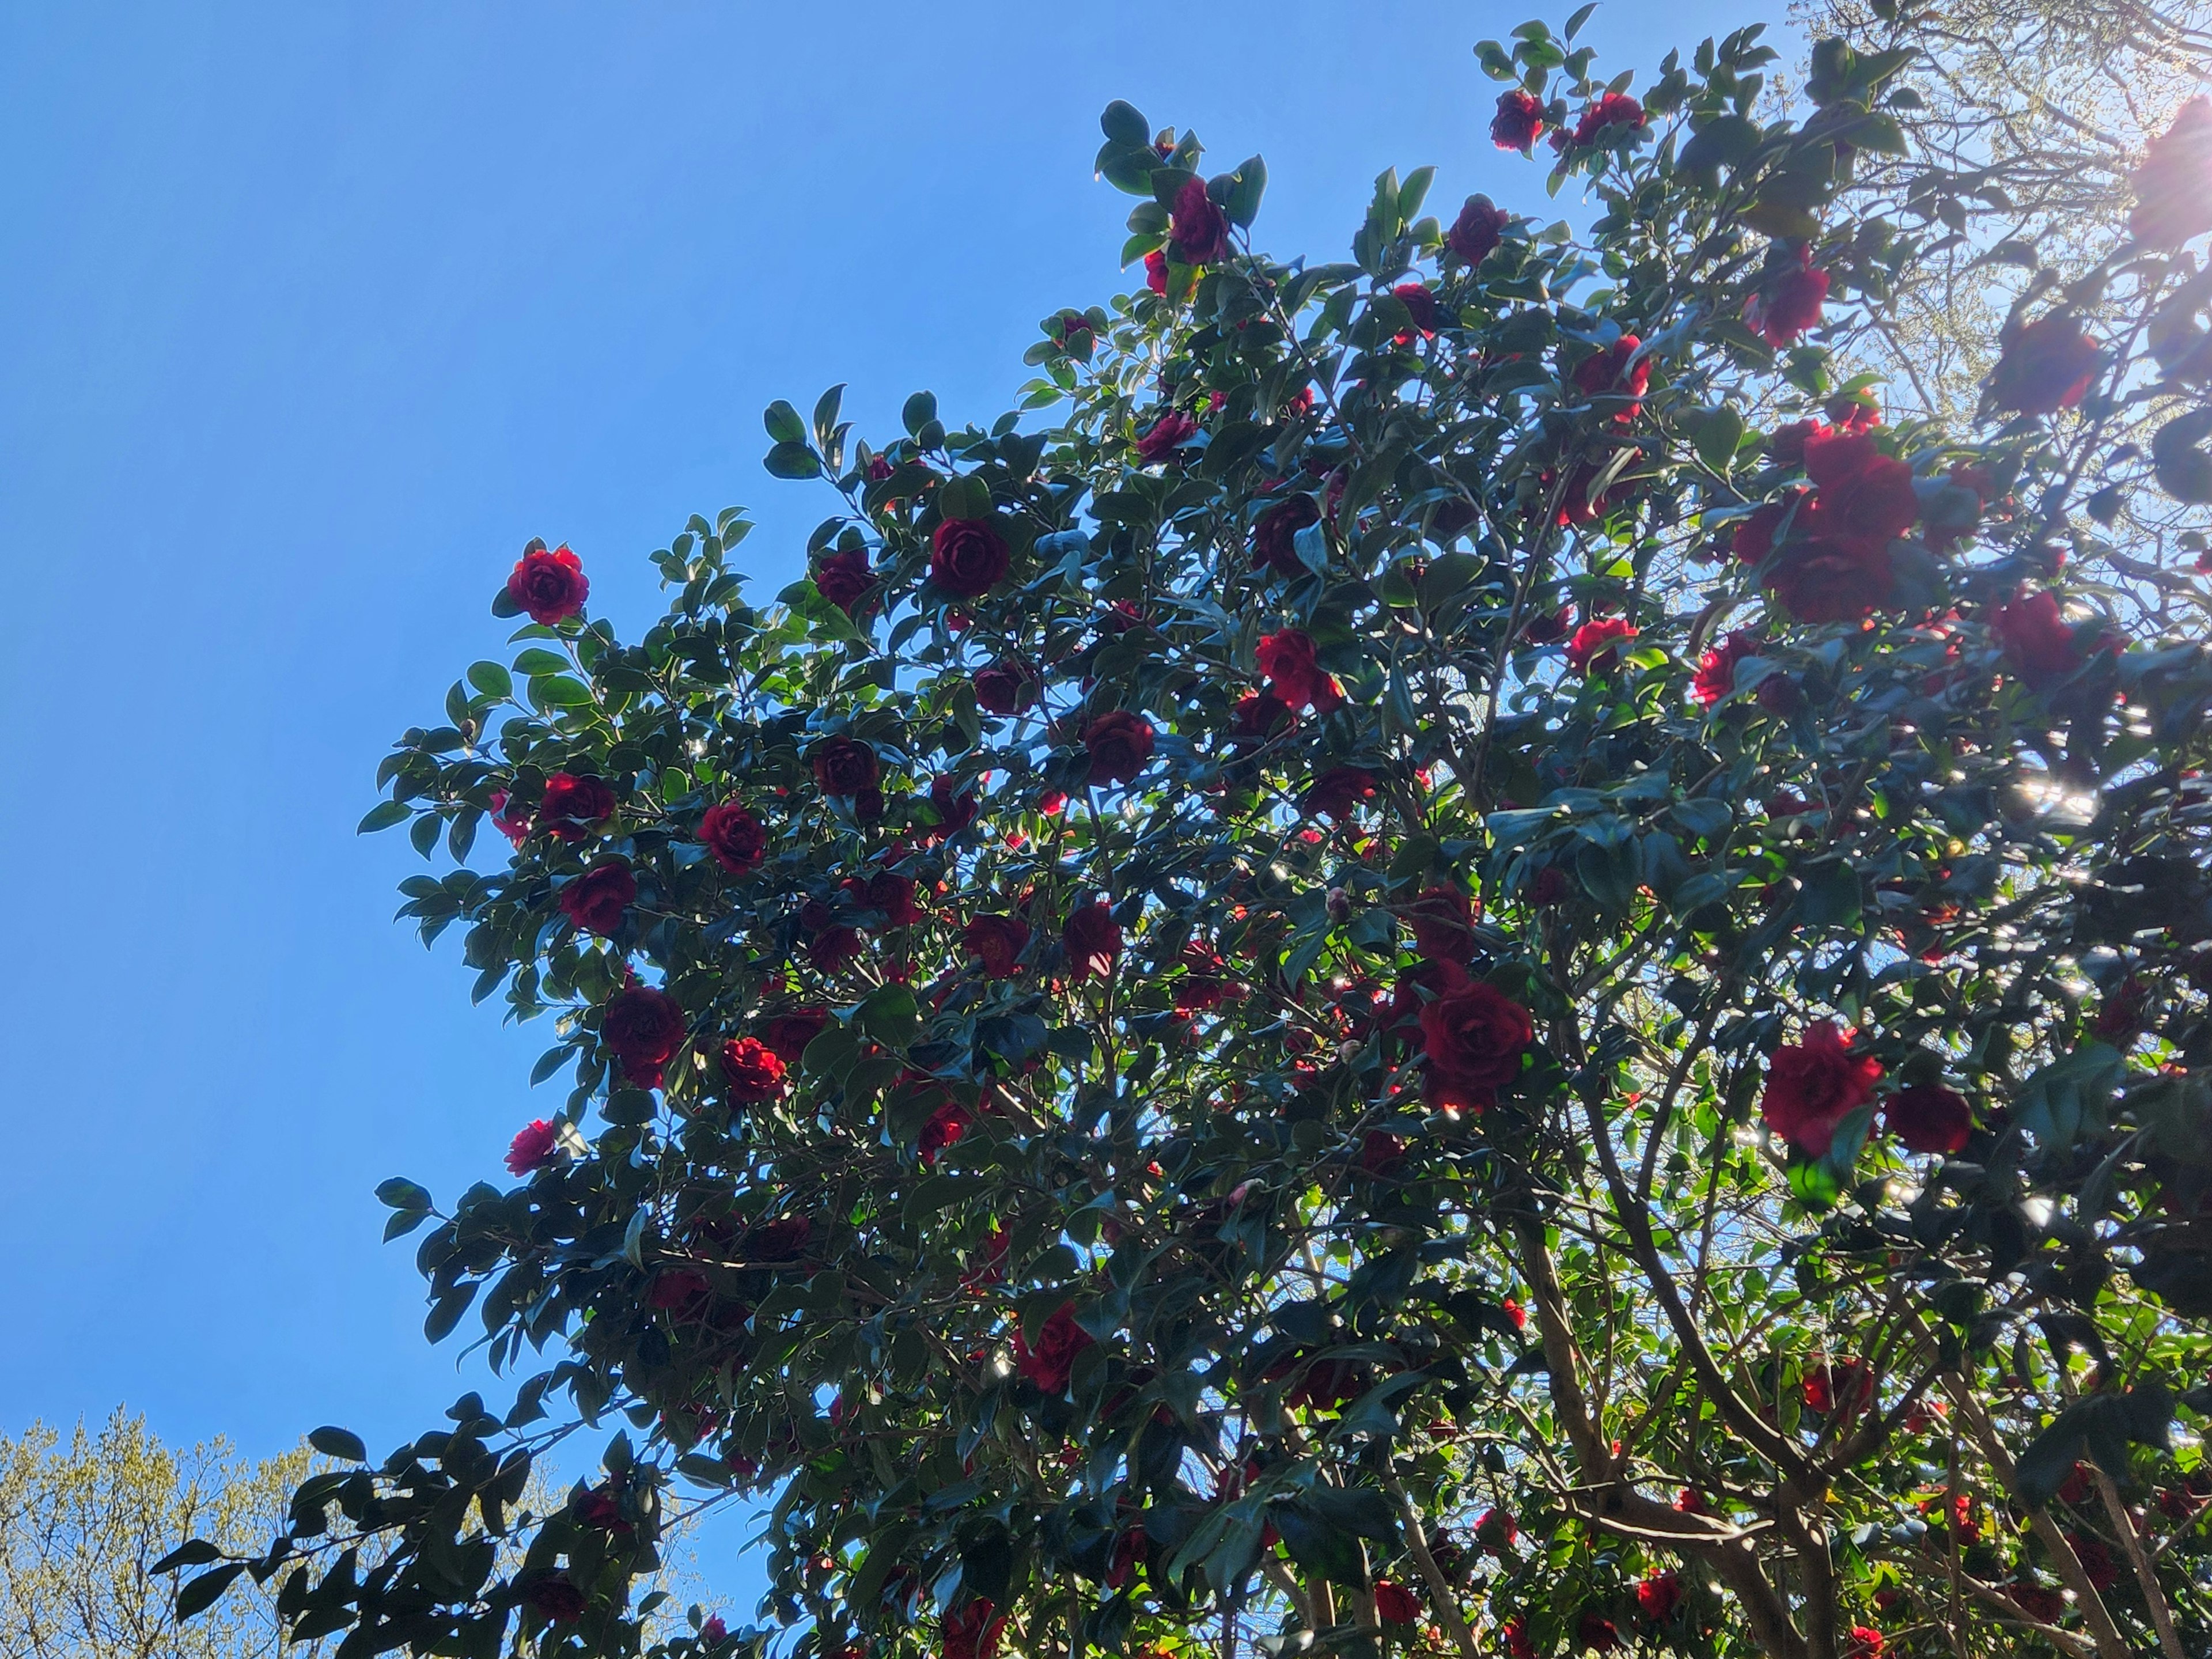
1722	142
783	424
825	414
402	1195
2055	1103
491	680
1250	184
536	661
793	460
341	1444
200	1594
964	496
1581	17
1719	434
919	411
192	1553
1125	126
383	816
890	1015
561	691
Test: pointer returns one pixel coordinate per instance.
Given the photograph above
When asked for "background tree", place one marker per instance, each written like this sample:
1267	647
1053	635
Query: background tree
1470	963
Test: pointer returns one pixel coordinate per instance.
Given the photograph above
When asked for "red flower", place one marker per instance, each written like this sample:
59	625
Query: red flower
1260	714
713	1631
1657	1595
1496	1530
1396	1605
734	836
531	1149
1477	230
1595	1630
1381	1152
844	578
1473	1035
788	1034
1593	649
1614	109
515	829
755	1071
844	767
1165	436
1550	887
1716	668
679	1291
642	1028
1092	940
1421	305
2038	1603
1812	1086
1336	792
1519	121
1274	536
1006	687
1198	230
555	1599
1865	1642
2173	185
972	1632
1444	926
1519	1645
571	806
997	942
2097	1562
1862	491
1516	1313
1929	1118
1789	306
595	901
2035	636
1059	1339
1156	272
891	895
967	557
833	947
1786	444
1844	1387
1608	373
550	586
784	1239
1831	579
955	812
1120	743
1753	538
945	1126
2046	366
1287	660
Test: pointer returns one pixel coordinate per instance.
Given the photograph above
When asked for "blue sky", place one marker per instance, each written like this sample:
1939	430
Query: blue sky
313	316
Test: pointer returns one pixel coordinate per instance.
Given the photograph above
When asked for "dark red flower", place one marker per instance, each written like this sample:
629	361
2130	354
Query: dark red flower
1929	1118
573	806
1864	1642
1519	1645
1092	940
713	1631
833	947
1260	714
2046	366
755	1071
1421	305
972	1632
788	1034
890	894
1614	109
1131	1549
2097	1563
1443	925
1165	436
596	900
1287	660
1550	887
1381	1152
997	942
1596	1631
1519	121
1716	668
1076	336
944	1126
531	1149
515	827
2036	638
734	836
1121	746
1059	1339
1337	791
784	1239
1480	223
1657	1595
955	808
2037	1601
550	586
1274	535
1006	687
843	766
844	578
1156	272
1753	538
1473	1036
1831	578
1396	1605
1786	444
1608	373
1549	628
642	1028
681	1290
1198	230
1789	306
967	557
2173	185
1595	647
1812	1086
1495	1530
1861	491
556	1599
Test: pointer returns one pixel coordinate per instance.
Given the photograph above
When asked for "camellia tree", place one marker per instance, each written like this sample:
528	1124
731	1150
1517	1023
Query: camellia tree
1470	967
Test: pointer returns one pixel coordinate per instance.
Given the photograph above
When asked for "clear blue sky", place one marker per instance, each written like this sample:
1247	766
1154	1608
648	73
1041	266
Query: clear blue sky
311	316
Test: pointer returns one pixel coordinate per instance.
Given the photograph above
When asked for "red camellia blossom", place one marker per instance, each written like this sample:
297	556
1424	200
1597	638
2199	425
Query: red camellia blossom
1260	714
1595	1630
890	894
1287	660
2047	366
734	836
1059	1339
1861	491
1519	121
1865	1642
1753	538
1337	791
1443	925
967	557
2173	185
1929	1118
1421	305
1473	1036
1595	647
844	577
1495	1530
755	1071
1844	1387
573	806
1657	1595
997	942
1381	1152
784	1239
944	1126
955	808
1608	374
1717	669
1396	1605
642	1028
531	1149
1789	306
971	1632
1812	1086
1614	109
843	766
788	1034
596	900
834	947
1519	1645
1198	230
1121	745
550	586
515	827
2036	638
1165	436
1006	687
1092	940
555	1599
1156	272
713	1631
1274	536
1477	230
